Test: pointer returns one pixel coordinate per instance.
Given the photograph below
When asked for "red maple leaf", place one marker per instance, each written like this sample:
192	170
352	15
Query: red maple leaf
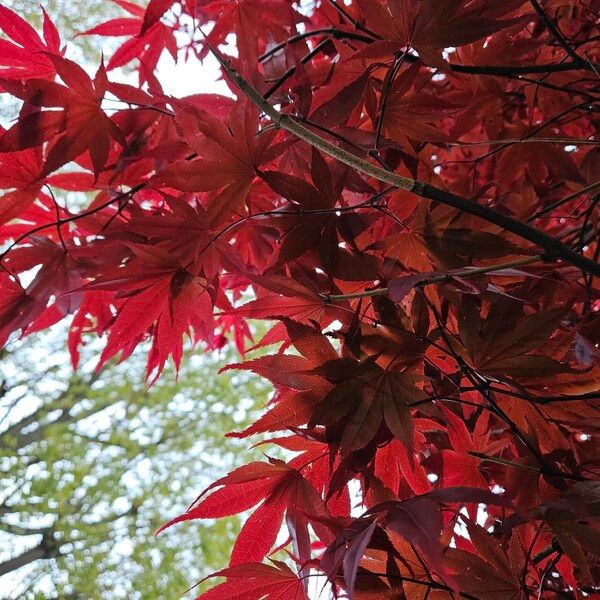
228	158
256	581
149	37
430	26
27	55
81	124
280	487
157	295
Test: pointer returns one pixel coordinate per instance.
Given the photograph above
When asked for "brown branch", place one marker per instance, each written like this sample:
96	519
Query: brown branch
331	31
48	548
309	56
503	462
567	199
548	399
546	552
385	94
546	572
553	249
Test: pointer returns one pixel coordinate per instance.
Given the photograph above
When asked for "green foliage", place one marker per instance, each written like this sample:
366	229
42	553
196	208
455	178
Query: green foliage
94	463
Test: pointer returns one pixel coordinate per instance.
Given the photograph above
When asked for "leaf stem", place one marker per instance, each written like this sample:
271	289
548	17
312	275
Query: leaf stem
431	584
440	278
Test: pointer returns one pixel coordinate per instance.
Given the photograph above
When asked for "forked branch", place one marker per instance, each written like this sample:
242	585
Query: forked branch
553	248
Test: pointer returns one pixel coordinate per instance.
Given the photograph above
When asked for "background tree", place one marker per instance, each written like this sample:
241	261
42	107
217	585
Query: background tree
410	189
93	461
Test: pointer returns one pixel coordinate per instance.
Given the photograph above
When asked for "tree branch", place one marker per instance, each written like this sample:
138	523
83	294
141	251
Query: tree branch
331	31
553	248
22	531
14	438
48	548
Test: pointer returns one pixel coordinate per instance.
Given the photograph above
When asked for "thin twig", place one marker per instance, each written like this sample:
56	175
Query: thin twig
331	31
307	57
551	207
557	33
440	278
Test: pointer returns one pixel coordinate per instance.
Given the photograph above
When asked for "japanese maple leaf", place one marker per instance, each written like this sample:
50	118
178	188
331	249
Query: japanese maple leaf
536	162
408	246
313	459
229	154
501	344
160	296
94	315
148	36
343	394
81	124
409	112
428	26
417	520
303	231
491	572
573	520
17	309
256	581
21	171
460	468
182	232
309	222
293	371
27	55
394	467
282	296
295	405
536	420
252	21
278	486
59	276
364	397
154	11
42	212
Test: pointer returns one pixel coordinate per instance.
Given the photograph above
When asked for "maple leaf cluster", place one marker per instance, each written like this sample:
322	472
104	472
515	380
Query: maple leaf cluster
409	190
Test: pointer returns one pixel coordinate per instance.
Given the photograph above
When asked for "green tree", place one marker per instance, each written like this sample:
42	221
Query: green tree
93	463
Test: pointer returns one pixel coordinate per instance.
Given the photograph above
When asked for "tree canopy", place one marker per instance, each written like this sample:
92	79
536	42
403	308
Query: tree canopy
409	191
92	463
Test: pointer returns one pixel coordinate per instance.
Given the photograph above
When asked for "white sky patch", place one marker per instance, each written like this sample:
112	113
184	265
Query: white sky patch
188	77
357	507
